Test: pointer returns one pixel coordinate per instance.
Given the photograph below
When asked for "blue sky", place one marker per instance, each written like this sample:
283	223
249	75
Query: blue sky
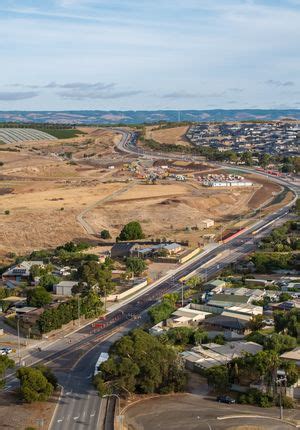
147	54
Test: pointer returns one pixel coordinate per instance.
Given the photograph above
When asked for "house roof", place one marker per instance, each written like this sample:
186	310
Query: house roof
22	268
227	322
292	355
66	284
227	300
123	246
216	283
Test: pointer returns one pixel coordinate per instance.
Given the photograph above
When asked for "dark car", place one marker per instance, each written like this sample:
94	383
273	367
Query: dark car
225	399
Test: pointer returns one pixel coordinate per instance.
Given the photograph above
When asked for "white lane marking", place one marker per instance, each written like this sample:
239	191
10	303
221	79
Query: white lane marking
76	418
93	414
60	420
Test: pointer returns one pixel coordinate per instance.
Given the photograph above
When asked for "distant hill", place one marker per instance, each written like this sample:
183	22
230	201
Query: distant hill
140	117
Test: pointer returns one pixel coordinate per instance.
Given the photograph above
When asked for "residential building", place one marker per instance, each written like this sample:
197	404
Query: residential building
226	322
122	249
64	288
20	272
215	286
212	354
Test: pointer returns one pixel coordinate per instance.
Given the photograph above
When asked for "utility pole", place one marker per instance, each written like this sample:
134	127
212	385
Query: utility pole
104	298
18	333
78	309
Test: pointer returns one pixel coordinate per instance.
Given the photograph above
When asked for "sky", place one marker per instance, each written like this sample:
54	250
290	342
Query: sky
149	54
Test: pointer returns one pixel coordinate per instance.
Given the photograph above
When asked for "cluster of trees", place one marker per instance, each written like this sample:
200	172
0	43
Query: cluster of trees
267	262
183	336
248	369
5	363
90	306
288	322
135	265
38	297
69	252
131	231
36	383
277	342
140	363
96	275
164	309
282	239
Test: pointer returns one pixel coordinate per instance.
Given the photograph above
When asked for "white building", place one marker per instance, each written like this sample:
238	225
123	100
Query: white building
64	288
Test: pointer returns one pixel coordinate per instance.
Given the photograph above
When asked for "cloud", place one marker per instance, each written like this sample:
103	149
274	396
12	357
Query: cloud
235	90
280	83
81	86
17	95
97	94
192	95
74	90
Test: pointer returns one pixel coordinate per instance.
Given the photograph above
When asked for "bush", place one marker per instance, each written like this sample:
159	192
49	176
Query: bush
256	397
104	234
34	386
131	231
7	212
287	402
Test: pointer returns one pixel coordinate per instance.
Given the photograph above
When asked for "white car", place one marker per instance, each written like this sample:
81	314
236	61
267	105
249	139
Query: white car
269	322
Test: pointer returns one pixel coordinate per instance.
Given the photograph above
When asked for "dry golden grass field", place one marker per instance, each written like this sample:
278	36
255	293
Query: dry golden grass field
168	135
43	190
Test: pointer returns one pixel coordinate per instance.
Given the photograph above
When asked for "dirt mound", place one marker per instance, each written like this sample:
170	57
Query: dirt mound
170	202
6	191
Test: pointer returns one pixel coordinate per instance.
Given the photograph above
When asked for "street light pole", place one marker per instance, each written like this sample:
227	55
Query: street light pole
78	309
279	382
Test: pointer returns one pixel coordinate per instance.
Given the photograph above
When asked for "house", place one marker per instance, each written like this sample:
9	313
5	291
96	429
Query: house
29	315
186	316
122	249
226	300
206	223
294	356
172	248
225	322
252	294
212	354
291	286
215	286
20	272
259	282
64	288
11	302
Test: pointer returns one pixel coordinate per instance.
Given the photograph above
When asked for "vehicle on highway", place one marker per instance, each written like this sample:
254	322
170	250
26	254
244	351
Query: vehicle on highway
226	399
102	358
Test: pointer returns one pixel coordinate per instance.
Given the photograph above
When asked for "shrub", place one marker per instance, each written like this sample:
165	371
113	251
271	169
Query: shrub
287	402
104	234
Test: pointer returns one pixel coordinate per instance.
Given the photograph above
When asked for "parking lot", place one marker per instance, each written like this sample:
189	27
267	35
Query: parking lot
186	411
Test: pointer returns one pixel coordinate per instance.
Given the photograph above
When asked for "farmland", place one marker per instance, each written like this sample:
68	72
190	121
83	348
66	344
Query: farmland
15	135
